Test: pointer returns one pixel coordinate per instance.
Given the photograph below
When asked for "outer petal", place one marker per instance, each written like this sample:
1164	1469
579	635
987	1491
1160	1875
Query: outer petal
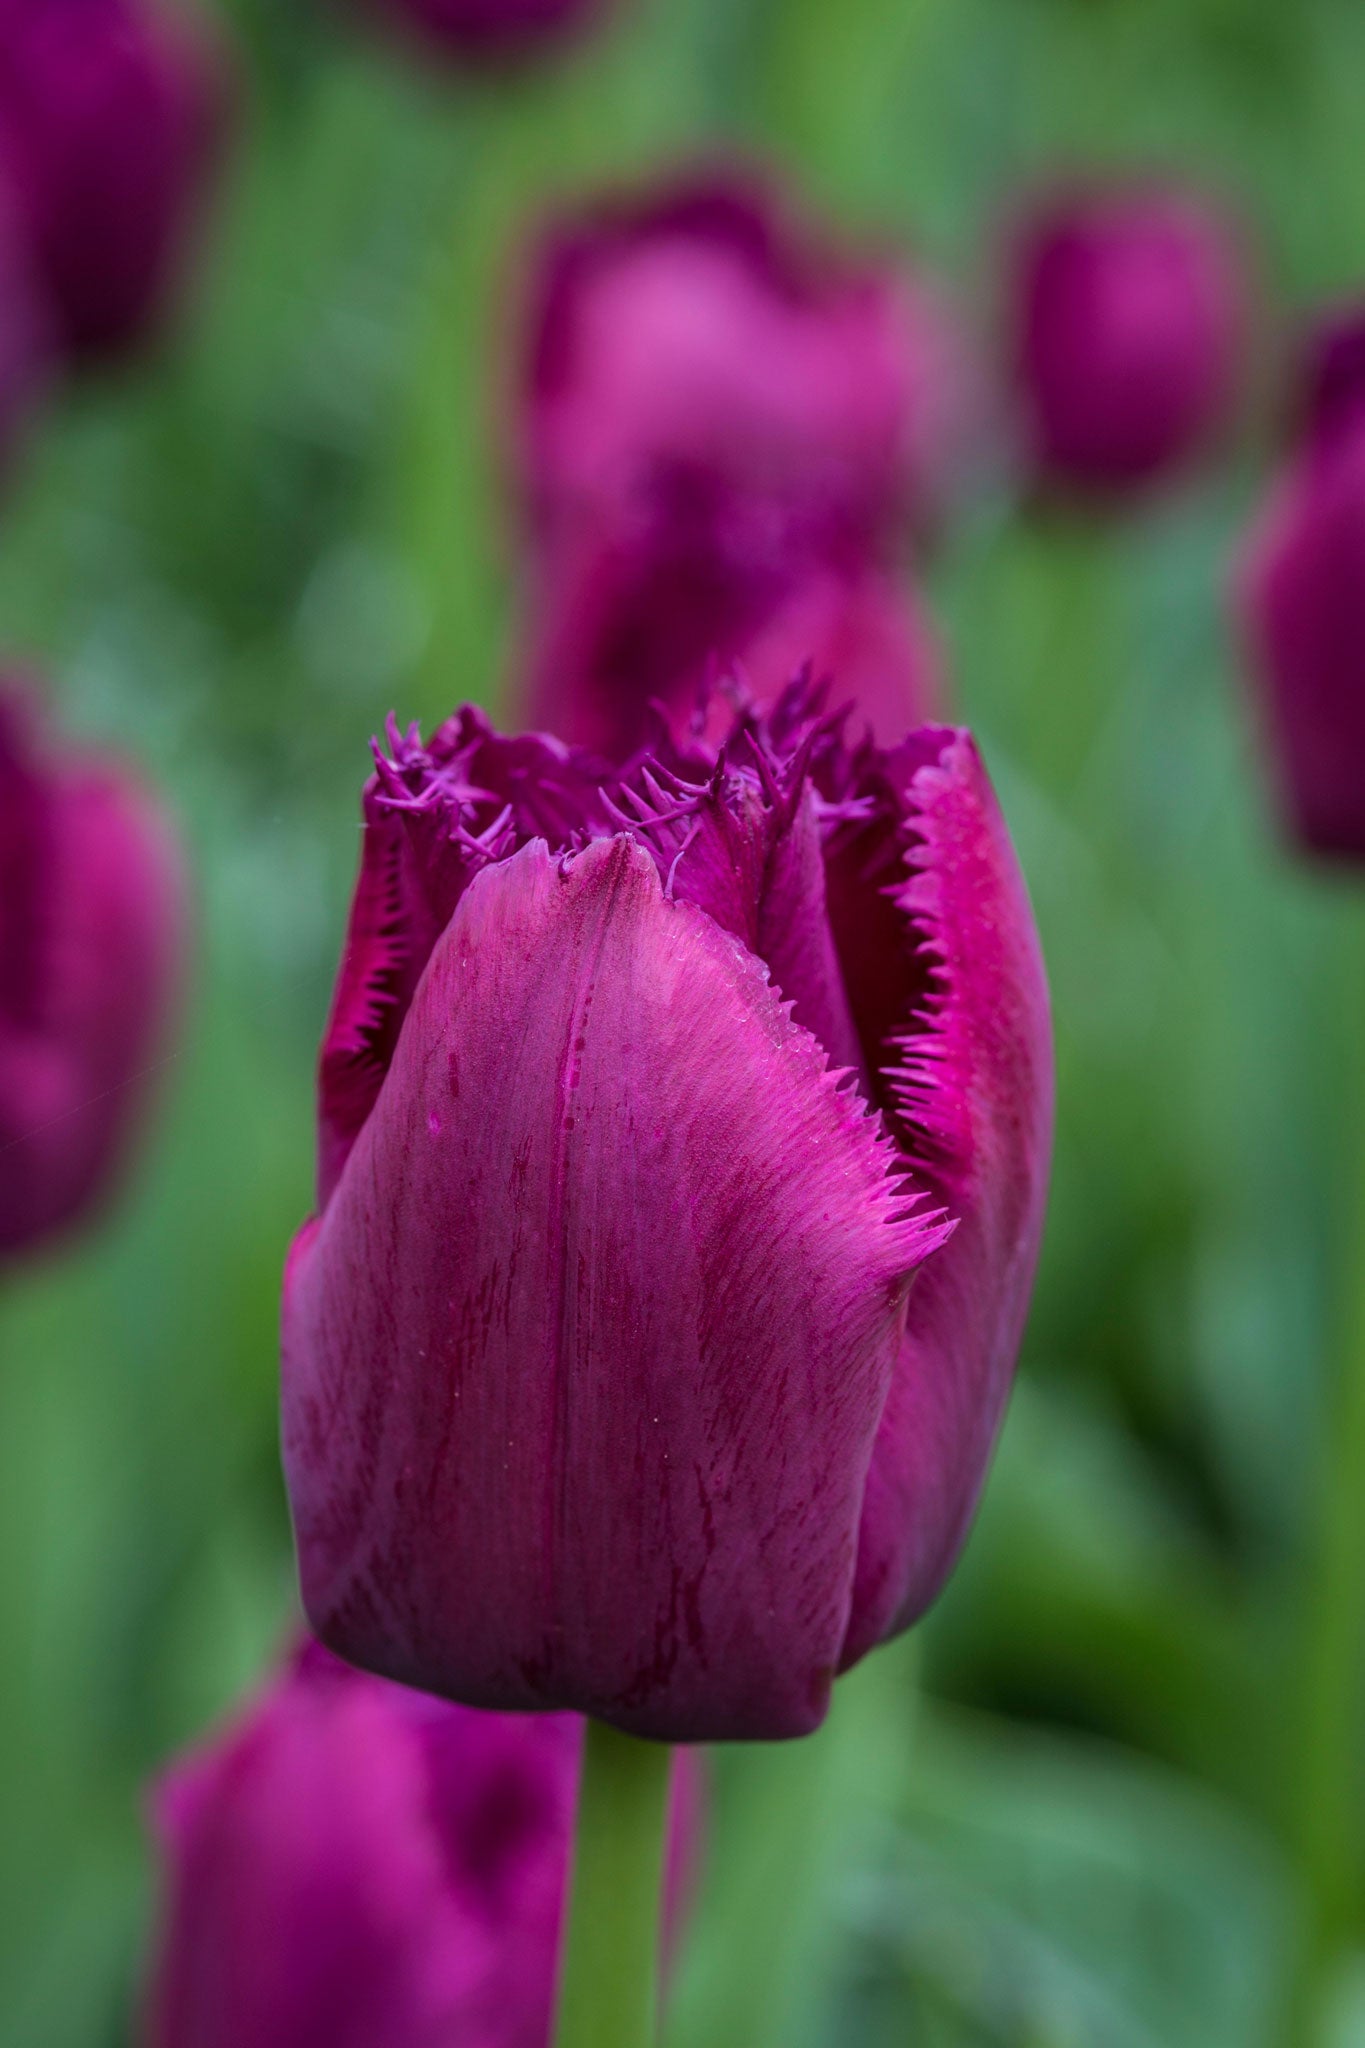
976	1092
584	1360
422	813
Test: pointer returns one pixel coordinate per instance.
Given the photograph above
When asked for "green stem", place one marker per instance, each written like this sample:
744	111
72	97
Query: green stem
1332	1868
609	1987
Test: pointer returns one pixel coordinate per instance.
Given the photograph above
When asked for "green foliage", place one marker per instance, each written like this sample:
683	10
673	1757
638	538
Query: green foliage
1072	1818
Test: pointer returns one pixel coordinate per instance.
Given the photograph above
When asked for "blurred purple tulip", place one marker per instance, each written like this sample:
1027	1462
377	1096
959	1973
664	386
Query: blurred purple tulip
353	1865
110	116
1300	594
91	925
703	341
492	31
1127	318
721	415
29	342
1331	380
623	628
605	1385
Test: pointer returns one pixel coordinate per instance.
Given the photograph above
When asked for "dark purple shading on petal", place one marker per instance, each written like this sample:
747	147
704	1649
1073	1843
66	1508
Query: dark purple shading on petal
584	1360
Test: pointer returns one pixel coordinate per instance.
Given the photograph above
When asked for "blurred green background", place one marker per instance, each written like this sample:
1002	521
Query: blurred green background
1107	1797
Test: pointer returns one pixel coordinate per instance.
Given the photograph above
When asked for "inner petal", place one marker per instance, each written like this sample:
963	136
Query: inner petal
889	966
745	847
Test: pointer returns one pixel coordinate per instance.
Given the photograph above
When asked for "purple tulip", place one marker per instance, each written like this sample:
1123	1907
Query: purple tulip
726	430
622	628
701	344
110	116
1300	595
29	344
605	1385
1331	380
1127	320
90	940
494	31
354	1865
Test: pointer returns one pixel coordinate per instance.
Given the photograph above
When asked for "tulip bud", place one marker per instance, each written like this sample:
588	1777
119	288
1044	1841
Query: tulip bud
605	1384
1300	594
90	939
473	31
1126	315
354	1865
110	112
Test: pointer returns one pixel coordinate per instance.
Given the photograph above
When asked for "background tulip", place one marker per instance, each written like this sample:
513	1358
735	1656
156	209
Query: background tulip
353	1865
720	413
629	625
90	940
1331	380
604	1382
28	338
1126	316
109	115
1300	595
473	30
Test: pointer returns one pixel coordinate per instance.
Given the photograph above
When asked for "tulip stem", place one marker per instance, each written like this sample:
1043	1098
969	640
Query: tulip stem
1332	1869
609	1984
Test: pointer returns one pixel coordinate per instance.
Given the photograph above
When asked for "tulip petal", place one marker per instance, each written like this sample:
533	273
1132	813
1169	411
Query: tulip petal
430	813
584	1361
972	1095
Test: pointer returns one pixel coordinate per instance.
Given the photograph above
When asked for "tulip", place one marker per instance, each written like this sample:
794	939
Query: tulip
1126	316
353	1865
28	340
700	353
90	940
110	114
727	430
1300	597
1331	394
622	627
473	31
605	1384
